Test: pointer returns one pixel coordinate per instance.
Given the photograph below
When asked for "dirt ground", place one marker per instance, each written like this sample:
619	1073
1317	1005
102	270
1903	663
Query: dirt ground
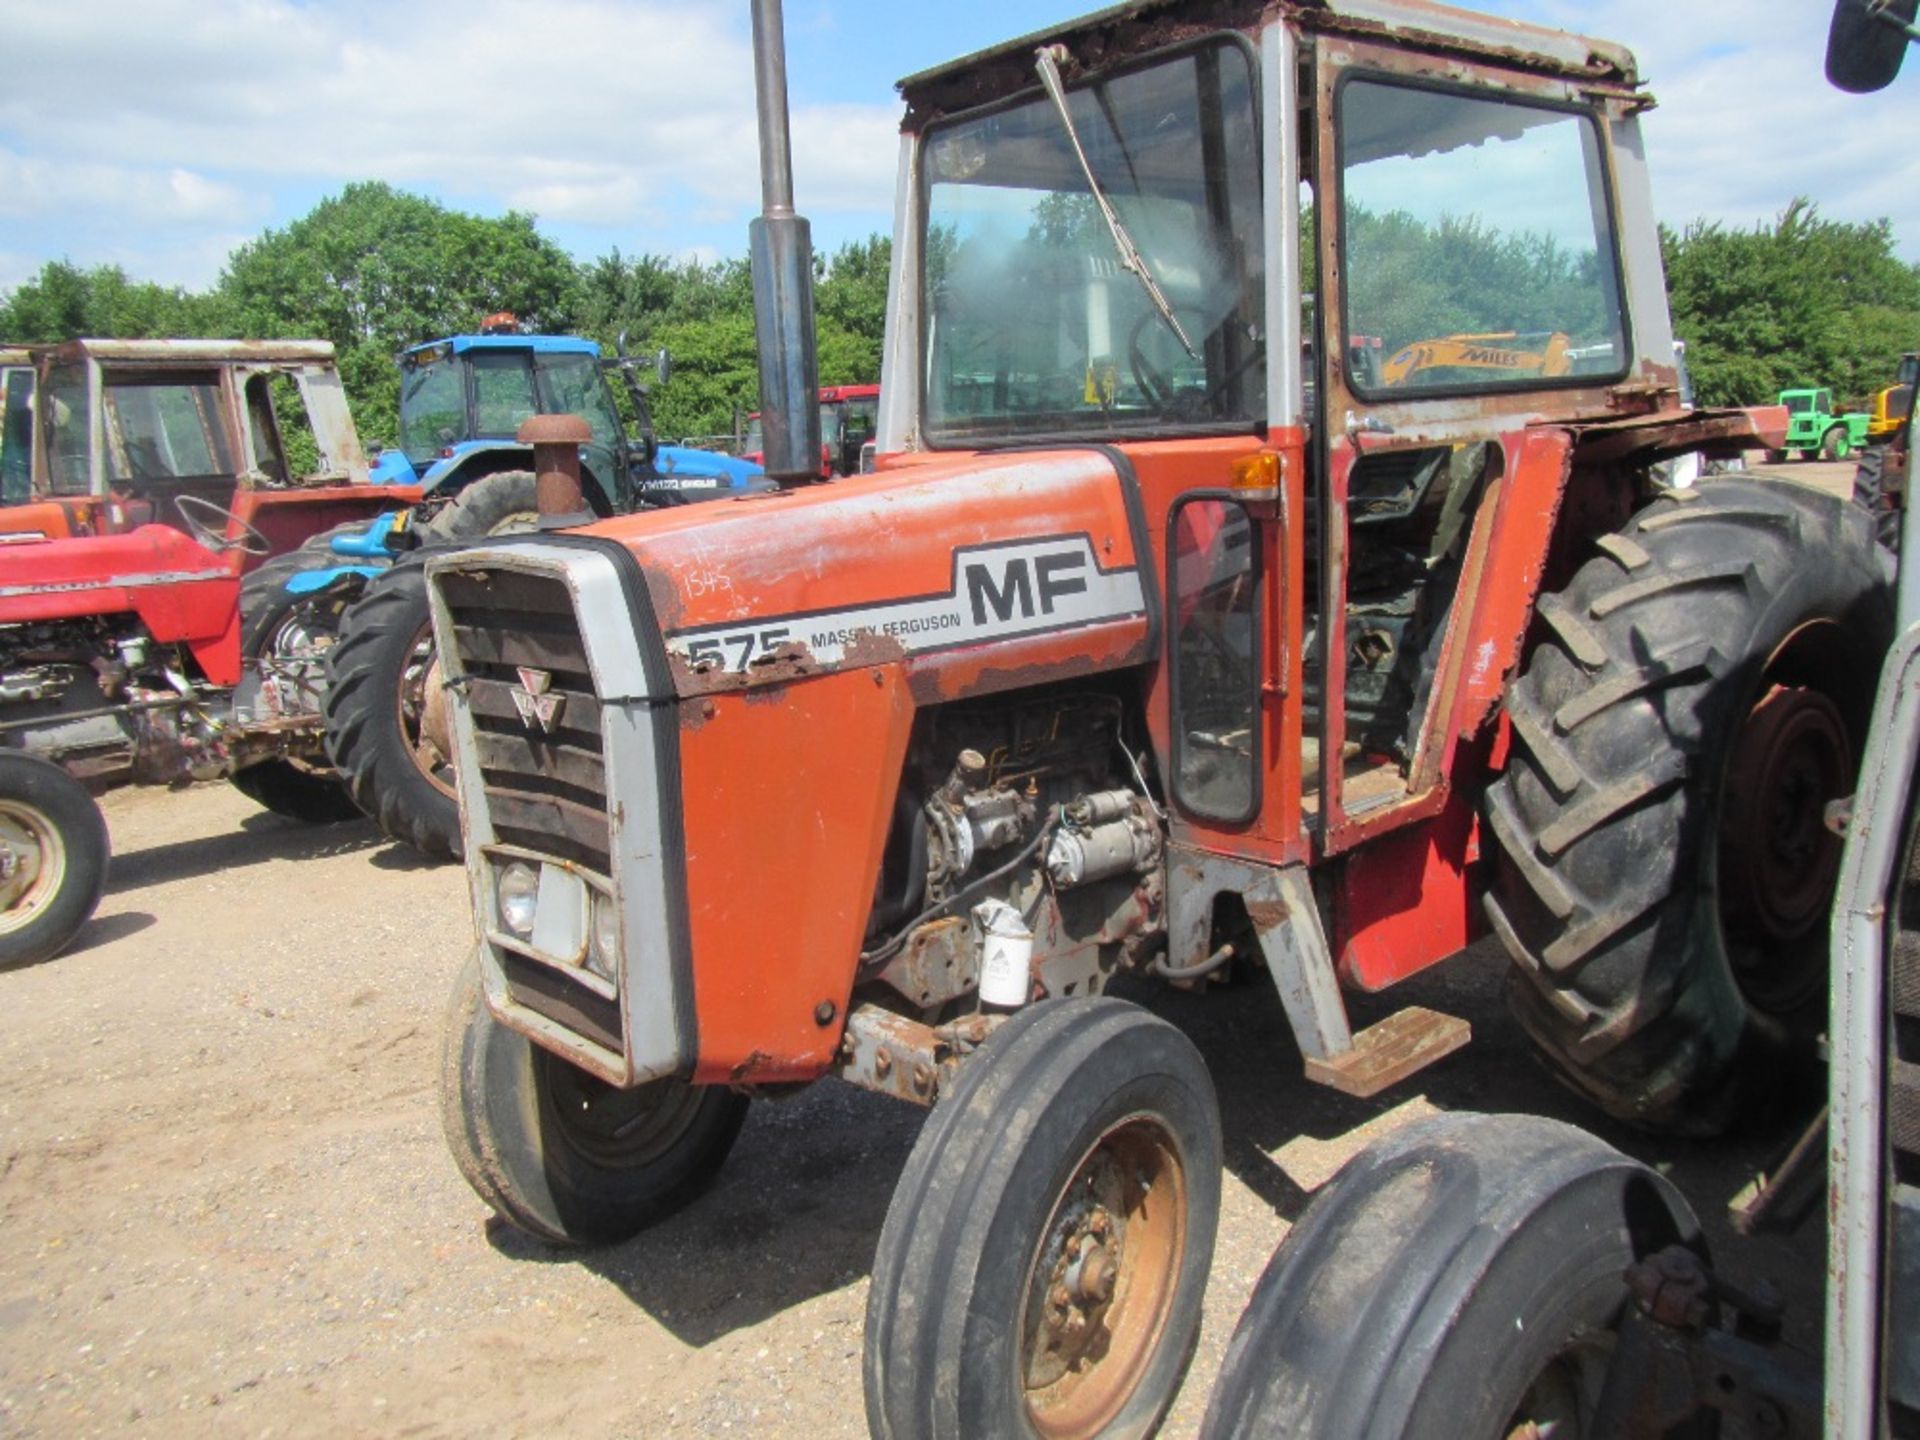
226	1208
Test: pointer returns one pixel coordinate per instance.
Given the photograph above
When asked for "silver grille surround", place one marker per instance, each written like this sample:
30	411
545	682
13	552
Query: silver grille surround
647	988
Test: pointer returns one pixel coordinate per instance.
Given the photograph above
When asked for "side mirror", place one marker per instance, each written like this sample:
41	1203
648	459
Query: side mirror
1866	43
663	365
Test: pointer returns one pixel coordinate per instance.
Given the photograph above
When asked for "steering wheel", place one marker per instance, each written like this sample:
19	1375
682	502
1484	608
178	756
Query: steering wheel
207	523
1183	404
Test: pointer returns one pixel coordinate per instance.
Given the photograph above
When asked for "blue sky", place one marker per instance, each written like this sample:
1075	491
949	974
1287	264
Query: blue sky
208	120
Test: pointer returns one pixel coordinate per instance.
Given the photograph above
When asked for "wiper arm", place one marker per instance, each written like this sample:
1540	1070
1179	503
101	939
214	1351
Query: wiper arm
1047	61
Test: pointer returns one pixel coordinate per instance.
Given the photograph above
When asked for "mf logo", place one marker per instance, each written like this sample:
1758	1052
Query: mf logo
1011	588
534	699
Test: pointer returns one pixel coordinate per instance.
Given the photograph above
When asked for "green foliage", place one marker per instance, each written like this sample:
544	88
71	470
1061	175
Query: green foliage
1803	301
64	302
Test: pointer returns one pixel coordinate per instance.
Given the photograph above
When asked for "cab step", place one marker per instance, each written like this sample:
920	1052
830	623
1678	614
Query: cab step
1388	1051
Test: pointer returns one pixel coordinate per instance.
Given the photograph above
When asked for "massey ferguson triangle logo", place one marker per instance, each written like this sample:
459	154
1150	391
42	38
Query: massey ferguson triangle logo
532	698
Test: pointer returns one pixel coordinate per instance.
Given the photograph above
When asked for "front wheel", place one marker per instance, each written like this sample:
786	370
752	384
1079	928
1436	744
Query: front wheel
53	859
559	1154
1043	1261
1462	1280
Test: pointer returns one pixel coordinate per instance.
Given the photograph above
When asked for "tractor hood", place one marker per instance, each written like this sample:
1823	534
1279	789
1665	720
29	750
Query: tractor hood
970	572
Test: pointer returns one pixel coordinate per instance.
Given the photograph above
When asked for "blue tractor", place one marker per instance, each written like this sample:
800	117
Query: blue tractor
462	402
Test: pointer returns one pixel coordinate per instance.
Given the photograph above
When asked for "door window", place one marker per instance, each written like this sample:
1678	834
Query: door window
1479	254
1215	650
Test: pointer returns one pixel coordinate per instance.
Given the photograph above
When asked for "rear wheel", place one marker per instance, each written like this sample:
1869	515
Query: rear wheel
1042	1265
1835	444
560	1154
1462	1280
386	719
53	858
1699	696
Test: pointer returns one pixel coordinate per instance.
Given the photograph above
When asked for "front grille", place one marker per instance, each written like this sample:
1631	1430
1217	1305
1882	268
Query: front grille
562	999
545	788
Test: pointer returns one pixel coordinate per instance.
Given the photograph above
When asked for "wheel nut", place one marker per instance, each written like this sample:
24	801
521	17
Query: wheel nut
1100	1223
1060	1298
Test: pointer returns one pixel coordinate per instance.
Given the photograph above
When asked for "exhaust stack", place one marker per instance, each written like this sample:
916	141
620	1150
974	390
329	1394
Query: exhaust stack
782	250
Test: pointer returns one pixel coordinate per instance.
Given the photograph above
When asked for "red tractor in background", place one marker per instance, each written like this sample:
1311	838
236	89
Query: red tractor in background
849	419
160	494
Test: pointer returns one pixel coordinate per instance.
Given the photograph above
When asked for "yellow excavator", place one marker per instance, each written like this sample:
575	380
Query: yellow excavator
1519	353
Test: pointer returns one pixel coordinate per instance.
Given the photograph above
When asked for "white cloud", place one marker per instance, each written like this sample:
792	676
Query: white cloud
1746	119
172	196
579	109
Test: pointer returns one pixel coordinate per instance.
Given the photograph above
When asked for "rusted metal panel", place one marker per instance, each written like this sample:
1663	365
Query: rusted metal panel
907	1059
198	352
1122	32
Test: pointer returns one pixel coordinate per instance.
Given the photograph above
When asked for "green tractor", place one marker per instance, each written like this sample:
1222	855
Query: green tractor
1815	432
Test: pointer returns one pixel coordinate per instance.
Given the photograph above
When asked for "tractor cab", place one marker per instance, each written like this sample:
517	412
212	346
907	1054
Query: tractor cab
201	436
463	400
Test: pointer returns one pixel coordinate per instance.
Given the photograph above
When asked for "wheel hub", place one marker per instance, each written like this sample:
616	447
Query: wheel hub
32	864
1102	1282
1778	859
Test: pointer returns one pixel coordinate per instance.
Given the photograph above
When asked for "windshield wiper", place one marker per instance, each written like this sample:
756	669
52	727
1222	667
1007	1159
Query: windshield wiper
1047	61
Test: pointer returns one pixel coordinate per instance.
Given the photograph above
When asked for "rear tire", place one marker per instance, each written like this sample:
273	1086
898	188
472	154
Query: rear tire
565	1157
1077	1155
1835	444
385	718
1699	693
53	859
1455	1282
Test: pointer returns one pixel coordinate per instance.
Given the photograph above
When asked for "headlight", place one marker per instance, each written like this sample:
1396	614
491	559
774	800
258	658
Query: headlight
603	949
516	891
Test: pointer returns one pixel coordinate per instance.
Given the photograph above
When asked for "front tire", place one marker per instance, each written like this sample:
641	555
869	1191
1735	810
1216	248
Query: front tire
559	1154
1042	1265
1699	694
1462	1280
53	859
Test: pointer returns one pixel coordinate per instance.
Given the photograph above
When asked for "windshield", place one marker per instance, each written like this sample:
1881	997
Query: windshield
1798	404
164	429
433	408
756	439
1033	325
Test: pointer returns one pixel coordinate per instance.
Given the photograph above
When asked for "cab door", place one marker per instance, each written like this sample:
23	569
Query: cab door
1469	290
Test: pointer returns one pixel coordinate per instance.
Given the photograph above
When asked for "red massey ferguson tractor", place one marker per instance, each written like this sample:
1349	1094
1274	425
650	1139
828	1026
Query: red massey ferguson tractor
168	490
1164	643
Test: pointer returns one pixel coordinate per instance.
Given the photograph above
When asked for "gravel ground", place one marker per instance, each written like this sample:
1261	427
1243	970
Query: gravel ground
226	1208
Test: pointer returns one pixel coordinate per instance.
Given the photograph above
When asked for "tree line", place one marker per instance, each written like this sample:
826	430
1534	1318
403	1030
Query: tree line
1801	300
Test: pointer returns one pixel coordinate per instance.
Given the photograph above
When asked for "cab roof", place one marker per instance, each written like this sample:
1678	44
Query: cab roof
540	344
1139	26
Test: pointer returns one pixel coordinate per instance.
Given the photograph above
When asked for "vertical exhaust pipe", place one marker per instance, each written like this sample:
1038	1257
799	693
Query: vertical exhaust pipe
782	249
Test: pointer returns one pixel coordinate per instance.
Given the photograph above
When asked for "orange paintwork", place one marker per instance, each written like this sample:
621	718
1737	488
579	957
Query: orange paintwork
790	772
788	794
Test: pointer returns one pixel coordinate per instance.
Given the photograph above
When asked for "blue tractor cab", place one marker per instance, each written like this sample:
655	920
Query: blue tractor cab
464	398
